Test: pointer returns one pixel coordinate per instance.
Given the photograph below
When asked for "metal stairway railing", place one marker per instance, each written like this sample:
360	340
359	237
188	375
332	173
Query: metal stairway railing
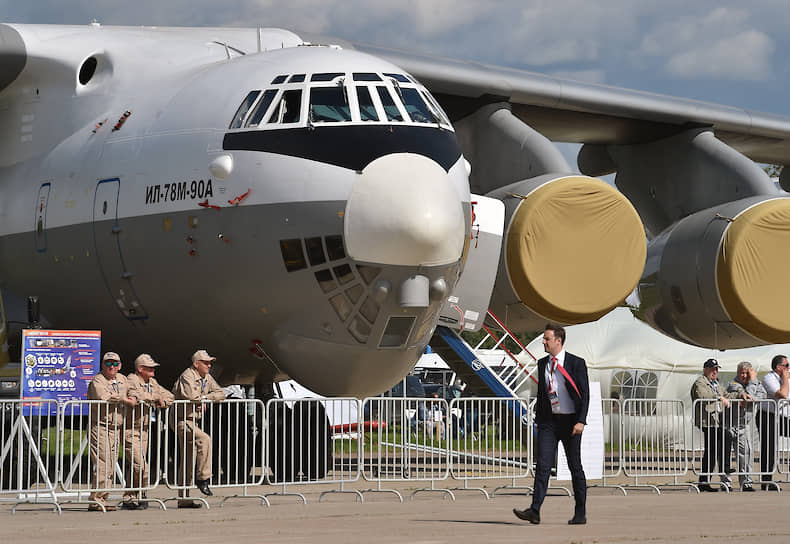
503	381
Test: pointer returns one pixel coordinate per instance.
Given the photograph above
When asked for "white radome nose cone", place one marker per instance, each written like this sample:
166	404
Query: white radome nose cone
403	210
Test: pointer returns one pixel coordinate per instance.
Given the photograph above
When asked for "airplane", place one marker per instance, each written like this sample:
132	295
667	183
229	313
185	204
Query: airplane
311	208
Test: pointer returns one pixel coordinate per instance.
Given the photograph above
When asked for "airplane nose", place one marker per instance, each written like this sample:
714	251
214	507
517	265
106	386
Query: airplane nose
403	210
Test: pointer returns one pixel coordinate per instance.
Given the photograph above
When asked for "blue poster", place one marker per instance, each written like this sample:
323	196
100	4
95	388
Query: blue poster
57	365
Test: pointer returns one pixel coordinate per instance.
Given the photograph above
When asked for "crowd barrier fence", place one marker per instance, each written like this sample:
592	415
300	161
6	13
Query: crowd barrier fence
81	450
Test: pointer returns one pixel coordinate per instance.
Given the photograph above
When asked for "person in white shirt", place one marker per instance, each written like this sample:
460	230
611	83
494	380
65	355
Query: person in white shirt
777	387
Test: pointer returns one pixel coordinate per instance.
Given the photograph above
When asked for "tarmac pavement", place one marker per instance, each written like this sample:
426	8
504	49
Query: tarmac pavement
429	518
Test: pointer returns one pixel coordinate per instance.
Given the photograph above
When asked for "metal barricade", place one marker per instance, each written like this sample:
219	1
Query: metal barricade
611	410
654	442
744	429
487	441
772	420
408	442
313	441
109	448
28	451
220	443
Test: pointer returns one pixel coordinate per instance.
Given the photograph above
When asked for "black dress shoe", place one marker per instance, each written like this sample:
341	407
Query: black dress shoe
142	505
707	488
530	514
129	505
189	504
202	485
577	520
747	488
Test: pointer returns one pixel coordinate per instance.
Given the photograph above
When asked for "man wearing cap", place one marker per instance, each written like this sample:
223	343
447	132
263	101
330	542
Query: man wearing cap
149	395
560	414
706	417
110	386
197	385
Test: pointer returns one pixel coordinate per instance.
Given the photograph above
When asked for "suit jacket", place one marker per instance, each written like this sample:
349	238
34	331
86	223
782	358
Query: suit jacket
577	369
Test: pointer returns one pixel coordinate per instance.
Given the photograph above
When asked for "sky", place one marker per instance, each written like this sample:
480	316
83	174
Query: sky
723	51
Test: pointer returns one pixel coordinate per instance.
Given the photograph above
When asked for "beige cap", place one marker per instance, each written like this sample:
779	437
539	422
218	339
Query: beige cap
111	356
202	355
145	360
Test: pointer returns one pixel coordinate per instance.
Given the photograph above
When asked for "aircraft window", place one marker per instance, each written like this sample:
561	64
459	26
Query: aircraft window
366	76
367	110
334	247
244	107
397	331
416	107
343	273
435	107
293	256
315	251
328	76
261	109
296	78
279	79
399	77
369	310
341	305
359	330
368	273
389	104
325	280
289	109
329	104
354	292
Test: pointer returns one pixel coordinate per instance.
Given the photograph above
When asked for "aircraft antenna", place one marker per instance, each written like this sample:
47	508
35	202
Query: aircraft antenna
259	39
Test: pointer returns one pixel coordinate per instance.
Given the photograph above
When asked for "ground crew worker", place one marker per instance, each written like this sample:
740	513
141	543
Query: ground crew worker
109	386
197	385
149	395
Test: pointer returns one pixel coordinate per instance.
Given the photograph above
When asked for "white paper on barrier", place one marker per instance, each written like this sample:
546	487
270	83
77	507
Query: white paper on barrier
592	441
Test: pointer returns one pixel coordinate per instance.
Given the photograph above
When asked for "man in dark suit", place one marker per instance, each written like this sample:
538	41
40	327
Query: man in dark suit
561	414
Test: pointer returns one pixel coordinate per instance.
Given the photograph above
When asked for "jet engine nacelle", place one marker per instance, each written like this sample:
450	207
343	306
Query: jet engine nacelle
717	278
573	249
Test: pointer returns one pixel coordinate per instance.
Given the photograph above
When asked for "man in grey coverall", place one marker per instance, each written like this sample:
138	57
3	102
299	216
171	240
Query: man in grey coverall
749	389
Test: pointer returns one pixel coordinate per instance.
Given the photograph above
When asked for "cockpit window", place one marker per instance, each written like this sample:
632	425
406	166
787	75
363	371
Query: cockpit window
279	79
366	76
244	107
437	109
390	108
417	109
399	77
260	110
296	78
367	110
329	104
289	109
328	76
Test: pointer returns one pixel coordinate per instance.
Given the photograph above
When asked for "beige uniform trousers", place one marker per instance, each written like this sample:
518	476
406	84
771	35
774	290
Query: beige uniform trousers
136	453
104	454
195	453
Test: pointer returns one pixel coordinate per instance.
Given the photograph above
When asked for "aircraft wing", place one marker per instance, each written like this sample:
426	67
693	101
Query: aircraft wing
571	111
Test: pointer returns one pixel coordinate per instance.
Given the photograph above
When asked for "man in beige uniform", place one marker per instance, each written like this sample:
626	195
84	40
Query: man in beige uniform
149	395
109	386
196	385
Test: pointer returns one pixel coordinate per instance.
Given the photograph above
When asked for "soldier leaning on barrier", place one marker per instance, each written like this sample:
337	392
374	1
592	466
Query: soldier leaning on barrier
196	385
109	386
707	418
741	416
149	395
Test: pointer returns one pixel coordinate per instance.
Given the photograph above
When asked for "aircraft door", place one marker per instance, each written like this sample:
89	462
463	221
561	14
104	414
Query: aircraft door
41	217
107	240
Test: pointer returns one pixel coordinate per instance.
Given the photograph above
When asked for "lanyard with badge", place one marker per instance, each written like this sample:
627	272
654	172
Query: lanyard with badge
552	384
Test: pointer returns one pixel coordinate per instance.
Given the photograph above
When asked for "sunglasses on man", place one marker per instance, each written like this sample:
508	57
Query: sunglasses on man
112	363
